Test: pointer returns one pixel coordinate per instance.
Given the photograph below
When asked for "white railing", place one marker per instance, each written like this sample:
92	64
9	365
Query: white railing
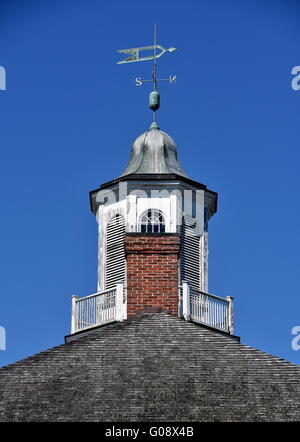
111	305
97	309
205	308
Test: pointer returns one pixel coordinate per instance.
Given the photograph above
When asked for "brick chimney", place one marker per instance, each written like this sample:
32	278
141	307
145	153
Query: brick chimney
152	271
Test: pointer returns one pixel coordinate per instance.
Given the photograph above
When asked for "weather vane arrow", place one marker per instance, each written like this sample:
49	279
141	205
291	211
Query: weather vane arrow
135	53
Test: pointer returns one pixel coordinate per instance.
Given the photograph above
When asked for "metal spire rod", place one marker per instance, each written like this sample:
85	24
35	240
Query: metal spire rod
154	70
134	55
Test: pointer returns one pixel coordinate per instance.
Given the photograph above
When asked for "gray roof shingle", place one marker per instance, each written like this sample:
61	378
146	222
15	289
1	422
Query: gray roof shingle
152	367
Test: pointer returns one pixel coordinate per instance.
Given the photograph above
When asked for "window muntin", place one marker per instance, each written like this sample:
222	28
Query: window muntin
152	221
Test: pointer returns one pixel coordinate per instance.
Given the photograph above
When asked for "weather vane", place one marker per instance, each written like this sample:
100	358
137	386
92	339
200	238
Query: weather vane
134	55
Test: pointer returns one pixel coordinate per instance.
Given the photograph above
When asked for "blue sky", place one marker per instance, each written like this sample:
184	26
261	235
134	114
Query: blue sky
70	114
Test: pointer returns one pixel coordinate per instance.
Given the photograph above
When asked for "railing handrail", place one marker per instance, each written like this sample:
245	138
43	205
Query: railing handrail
209	294
96	294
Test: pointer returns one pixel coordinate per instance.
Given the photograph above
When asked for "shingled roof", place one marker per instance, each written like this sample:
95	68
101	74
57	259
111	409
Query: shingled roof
152	367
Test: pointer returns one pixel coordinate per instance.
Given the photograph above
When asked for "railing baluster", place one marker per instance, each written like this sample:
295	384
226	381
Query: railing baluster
215	304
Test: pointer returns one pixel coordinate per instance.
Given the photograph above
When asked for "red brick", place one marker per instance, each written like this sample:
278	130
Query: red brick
152	272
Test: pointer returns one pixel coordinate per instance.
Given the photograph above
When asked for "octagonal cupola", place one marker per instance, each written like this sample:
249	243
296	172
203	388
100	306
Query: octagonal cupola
152	196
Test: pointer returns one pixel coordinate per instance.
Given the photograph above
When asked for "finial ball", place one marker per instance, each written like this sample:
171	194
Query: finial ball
154	100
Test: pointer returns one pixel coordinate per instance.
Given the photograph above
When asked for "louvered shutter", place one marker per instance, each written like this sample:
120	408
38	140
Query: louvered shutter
115	252
190	252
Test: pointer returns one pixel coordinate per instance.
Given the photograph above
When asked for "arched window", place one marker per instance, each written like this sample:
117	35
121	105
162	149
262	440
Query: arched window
152	221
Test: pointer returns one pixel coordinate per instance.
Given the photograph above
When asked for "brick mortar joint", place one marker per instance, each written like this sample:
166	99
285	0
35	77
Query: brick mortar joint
151	235
152	252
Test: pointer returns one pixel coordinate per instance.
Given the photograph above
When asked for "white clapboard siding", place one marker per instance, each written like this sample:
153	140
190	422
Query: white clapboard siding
115	252
190	252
